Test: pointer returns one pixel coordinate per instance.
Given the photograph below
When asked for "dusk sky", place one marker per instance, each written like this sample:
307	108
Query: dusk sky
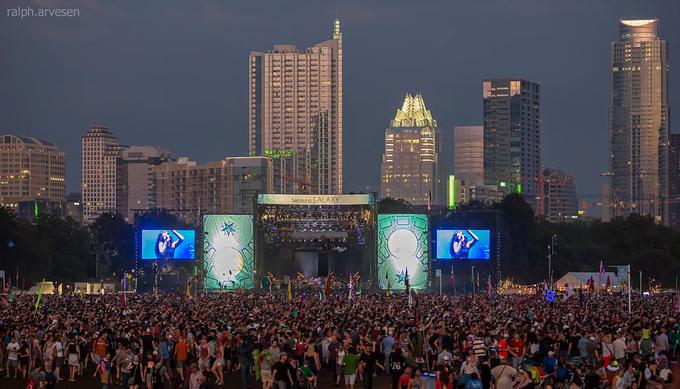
173	73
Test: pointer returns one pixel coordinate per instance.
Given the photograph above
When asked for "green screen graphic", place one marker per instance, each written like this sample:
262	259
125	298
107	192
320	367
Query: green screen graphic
403	245
228	247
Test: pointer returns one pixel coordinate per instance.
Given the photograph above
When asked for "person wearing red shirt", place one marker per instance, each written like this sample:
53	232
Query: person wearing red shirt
405	379
503	347
517	350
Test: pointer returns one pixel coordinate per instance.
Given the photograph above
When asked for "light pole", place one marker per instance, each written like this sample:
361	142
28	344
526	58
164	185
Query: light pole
551	252
640	283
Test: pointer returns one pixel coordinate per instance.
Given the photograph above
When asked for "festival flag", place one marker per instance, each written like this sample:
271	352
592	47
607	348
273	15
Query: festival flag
349	292
290	290
609	283
452	279
270	280
188	290
123	300
301	307
601	278
329	283
489	288
406	282
40	293
389	284
4	301
591	284
417	304
477	280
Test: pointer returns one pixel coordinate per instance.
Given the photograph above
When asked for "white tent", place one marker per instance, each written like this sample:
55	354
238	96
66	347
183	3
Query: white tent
577	279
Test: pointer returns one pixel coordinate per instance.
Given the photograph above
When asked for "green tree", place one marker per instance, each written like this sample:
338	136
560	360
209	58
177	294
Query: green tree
392	205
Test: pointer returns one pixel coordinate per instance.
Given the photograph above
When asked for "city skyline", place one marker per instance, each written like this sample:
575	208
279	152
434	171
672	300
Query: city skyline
221	126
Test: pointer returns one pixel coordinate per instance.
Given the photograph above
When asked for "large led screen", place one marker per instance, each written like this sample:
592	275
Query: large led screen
168	244
463	244
403	248
229	254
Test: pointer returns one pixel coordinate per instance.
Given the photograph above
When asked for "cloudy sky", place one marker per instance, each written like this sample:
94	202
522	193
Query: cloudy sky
173	73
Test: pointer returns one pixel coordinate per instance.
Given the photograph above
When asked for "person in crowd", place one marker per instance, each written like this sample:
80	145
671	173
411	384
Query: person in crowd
171	340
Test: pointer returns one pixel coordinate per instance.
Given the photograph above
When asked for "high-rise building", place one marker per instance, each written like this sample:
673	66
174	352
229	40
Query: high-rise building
99	152
674	180
31	169
134	179
190	190
512	136
74	207
468	154
556	199
639	121
411	169
295	114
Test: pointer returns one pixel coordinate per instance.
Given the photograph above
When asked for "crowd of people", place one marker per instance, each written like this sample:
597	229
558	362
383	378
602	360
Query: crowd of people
270	341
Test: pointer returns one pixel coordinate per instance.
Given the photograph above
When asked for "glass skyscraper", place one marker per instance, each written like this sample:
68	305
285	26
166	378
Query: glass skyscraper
295	114
512	136
639	121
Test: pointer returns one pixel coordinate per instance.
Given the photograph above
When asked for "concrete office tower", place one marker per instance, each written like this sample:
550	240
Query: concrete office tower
190	190
639	121
134	179
99	151
674	180
468	154
410	168
512	136
295	114
556	199
31	169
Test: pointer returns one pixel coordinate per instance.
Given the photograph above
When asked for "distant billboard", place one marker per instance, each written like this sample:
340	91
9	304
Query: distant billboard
229	251
403	249
284	199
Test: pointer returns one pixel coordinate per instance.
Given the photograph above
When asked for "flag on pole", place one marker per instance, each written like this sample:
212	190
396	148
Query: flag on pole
188	290
406	282
601	278
477	280
417	303
329	283
452	279
389	284
40	293
351	289
4	301
489	288
609	283
123	299
290	290
301	307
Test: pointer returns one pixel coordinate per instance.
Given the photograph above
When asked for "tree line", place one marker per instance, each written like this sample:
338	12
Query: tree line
61	249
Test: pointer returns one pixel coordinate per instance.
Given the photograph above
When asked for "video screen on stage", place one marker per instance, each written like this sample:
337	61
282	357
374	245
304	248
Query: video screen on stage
463	244
403	251
168	244
229	251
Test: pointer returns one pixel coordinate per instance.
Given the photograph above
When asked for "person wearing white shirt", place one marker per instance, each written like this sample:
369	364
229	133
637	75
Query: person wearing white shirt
620	349
13	357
